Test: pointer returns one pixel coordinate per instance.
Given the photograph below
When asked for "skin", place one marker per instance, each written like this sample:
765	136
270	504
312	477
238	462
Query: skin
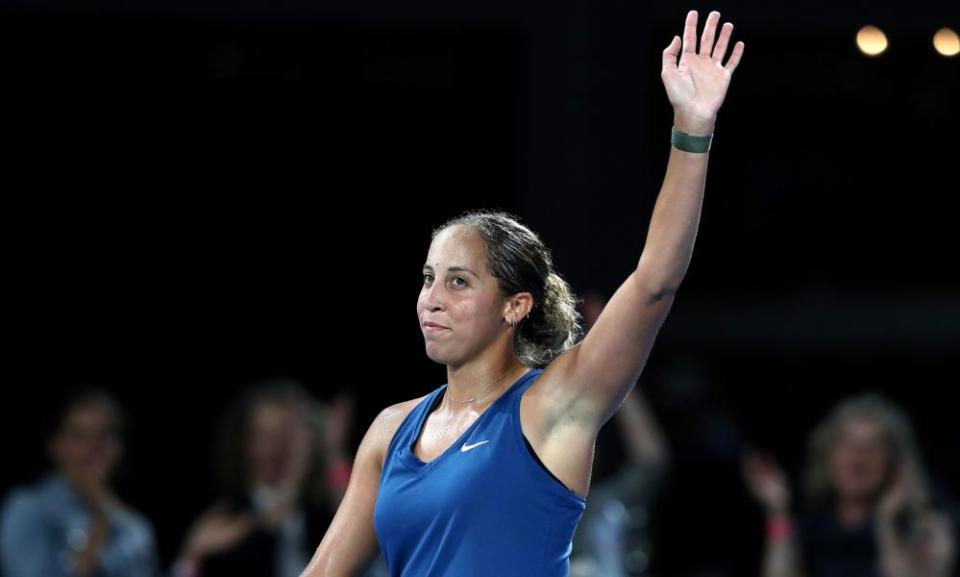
562	411
86	449
269	450
866	482
860	467
278	447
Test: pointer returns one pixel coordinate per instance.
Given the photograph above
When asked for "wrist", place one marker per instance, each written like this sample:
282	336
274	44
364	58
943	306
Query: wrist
338	475
779	526
693	124
689	143
778	513
885	517
184	567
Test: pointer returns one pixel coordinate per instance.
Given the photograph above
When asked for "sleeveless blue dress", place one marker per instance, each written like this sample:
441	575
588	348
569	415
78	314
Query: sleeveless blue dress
486	507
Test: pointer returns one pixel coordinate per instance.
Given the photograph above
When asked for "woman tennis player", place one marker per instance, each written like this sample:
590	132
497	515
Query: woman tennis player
486	476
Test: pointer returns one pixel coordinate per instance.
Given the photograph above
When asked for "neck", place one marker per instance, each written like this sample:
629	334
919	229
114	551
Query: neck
481	380
91	492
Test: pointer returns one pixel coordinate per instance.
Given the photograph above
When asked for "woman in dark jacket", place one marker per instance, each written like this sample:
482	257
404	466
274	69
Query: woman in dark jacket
284	469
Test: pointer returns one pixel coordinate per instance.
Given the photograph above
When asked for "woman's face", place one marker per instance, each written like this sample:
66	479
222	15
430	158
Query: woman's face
87	446
459	295
860	461
268	442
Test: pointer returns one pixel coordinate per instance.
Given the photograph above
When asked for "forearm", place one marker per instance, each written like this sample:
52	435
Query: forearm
894	561
639	431
674	223
781	556
780	559
348	545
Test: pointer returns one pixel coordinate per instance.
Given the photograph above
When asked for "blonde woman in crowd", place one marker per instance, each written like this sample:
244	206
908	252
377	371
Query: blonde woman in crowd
870	512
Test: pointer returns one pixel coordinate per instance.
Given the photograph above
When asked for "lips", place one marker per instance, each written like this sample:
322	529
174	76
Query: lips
433	326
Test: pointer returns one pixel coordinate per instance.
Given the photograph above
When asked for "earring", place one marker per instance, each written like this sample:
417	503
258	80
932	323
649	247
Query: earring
512	323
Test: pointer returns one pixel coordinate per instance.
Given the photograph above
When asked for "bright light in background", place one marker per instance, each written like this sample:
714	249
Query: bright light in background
946	42
871	40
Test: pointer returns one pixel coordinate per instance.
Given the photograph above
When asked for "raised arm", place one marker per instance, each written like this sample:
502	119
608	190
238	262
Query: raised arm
596	375
926	549
769	486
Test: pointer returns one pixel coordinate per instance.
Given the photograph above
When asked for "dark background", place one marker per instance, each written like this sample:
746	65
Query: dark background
201	194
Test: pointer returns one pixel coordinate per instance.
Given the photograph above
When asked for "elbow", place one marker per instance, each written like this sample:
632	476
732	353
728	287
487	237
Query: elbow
666	292
657	289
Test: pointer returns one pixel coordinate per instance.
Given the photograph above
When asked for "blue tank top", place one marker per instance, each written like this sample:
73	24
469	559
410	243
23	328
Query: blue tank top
484	507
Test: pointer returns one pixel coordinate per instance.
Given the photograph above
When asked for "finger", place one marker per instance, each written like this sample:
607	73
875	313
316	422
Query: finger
720	50
709	33
735	56
690	32
671	53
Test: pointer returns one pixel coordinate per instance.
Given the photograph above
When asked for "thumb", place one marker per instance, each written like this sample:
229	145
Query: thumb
670	54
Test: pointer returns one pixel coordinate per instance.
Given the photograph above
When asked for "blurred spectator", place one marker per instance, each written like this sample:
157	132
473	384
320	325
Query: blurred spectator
70	523
284	469
870	507
612	539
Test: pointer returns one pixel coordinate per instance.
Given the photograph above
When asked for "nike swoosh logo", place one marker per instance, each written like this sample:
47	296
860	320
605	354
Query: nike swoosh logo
467	447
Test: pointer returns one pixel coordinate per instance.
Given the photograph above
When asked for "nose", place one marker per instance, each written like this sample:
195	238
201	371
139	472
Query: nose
434	298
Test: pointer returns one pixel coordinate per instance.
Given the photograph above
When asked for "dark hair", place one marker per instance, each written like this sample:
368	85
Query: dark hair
235	428
83	396
520	261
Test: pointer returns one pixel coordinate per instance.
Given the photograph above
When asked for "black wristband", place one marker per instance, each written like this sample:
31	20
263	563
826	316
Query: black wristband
689	143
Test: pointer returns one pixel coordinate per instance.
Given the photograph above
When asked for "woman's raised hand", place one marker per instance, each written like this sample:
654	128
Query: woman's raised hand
696	80
766	482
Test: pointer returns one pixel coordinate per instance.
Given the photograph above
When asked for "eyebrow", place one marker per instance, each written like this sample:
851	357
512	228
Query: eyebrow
454	269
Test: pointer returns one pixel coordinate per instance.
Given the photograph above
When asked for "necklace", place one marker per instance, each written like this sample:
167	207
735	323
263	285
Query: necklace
474	398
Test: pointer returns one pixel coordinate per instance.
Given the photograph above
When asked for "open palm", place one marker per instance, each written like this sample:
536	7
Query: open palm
696	80
766	481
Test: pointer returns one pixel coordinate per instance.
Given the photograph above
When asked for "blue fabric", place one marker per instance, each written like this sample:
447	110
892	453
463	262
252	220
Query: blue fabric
489	510
42	526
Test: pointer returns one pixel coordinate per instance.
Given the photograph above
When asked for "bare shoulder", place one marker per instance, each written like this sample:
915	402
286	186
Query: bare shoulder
385	426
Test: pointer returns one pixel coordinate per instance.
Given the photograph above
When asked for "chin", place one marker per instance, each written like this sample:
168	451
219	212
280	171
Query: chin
857	492
439	357
436	357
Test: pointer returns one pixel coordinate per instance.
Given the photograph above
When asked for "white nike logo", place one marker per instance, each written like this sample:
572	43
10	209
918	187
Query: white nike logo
467	447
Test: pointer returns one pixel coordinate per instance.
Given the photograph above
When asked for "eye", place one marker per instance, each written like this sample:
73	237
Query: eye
427	278
458	278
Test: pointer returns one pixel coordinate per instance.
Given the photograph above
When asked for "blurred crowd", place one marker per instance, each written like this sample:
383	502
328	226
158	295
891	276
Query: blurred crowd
864	505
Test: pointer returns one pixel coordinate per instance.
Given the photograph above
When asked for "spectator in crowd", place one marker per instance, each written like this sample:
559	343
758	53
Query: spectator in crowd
284	469
870	509
70	523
